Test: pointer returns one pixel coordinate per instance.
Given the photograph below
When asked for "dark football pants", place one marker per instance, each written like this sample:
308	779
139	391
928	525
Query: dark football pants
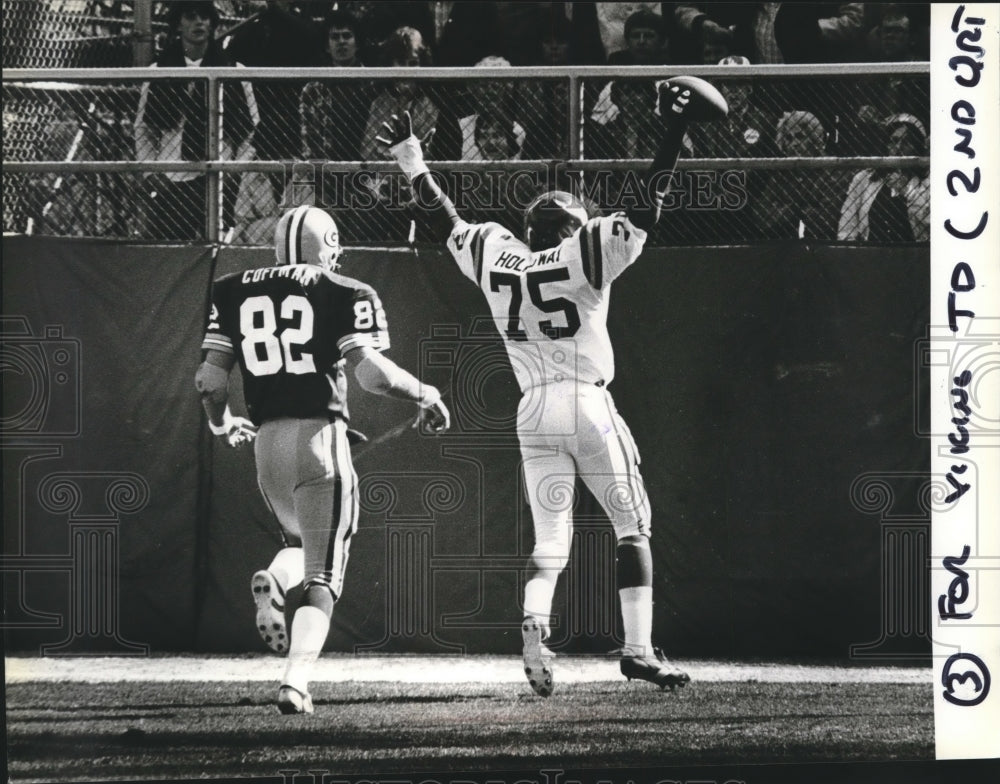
305	473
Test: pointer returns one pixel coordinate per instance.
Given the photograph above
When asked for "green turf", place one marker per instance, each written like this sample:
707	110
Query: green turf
75	731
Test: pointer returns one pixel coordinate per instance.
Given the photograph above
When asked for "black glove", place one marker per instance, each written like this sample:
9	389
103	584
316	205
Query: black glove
671	101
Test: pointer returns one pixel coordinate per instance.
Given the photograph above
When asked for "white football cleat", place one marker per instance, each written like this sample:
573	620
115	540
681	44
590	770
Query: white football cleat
291	700
270	601
537	658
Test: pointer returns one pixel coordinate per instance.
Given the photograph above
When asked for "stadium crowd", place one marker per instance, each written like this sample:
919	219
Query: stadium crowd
498	120
459	34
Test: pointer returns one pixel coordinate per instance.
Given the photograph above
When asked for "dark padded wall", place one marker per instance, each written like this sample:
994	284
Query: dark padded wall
106	440
760	384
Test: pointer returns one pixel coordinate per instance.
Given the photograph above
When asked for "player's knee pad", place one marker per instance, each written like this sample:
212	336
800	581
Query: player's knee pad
319	593
634	562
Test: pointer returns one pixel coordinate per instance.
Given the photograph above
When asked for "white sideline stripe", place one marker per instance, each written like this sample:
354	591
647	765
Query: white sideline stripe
339	668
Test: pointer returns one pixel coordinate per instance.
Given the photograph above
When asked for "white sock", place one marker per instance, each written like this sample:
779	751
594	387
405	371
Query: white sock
637	617
288	567
538	602
310	626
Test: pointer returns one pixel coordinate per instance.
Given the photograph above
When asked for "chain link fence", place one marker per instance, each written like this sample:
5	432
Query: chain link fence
65	34
90	33
825	153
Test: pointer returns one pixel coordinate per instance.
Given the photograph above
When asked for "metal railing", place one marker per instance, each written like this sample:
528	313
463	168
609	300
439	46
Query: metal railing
77	101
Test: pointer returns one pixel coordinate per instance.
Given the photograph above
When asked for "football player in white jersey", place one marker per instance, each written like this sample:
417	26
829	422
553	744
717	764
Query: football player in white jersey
548	293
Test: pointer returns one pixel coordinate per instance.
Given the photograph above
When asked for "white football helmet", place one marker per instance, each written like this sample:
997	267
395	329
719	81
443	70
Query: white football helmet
307	235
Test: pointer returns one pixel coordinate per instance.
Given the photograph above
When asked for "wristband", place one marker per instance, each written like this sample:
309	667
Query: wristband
409	157
430	398
223	429
412	170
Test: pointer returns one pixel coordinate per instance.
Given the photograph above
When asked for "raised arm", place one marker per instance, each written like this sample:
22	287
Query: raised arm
397	138
671	102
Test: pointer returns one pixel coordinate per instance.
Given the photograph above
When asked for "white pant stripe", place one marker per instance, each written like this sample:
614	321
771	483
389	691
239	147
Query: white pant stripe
348	509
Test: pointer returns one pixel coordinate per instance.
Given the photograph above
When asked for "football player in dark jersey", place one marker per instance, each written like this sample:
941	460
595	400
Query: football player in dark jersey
294	329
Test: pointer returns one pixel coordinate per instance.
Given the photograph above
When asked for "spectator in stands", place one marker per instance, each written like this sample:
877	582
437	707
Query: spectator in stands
387	220
645	41
331	124
714	196
747	131
333	113
459	34
801	135
547	36
546	102
522	25
898	42
820	32
599	29
500	196
342	36
747	28
464	33
493	139
712	51
622	125
496	97
256	211
801	202
556	39
891	40
877	99
369	32
403	49
891	205
279	37
770	33
172	124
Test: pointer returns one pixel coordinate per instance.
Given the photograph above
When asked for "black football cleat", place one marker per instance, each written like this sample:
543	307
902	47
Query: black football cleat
292	701
655	669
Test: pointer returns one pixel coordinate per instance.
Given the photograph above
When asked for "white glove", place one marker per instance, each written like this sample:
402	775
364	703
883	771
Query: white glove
434	415
236	430
409	156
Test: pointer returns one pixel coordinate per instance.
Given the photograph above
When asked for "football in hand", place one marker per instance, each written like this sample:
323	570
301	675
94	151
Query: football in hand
706	102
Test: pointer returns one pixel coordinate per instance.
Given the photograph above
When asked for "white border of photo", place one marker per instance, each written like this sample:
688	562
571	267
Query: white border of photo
963	355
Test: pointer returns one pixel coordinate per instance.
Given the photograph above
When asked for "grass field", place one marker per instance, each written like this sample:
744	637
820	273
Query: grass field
186	718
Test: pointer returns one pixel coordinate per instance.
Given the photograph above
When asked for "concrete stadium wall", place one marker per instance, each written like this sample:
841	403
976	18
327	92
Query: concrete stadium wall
767	388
